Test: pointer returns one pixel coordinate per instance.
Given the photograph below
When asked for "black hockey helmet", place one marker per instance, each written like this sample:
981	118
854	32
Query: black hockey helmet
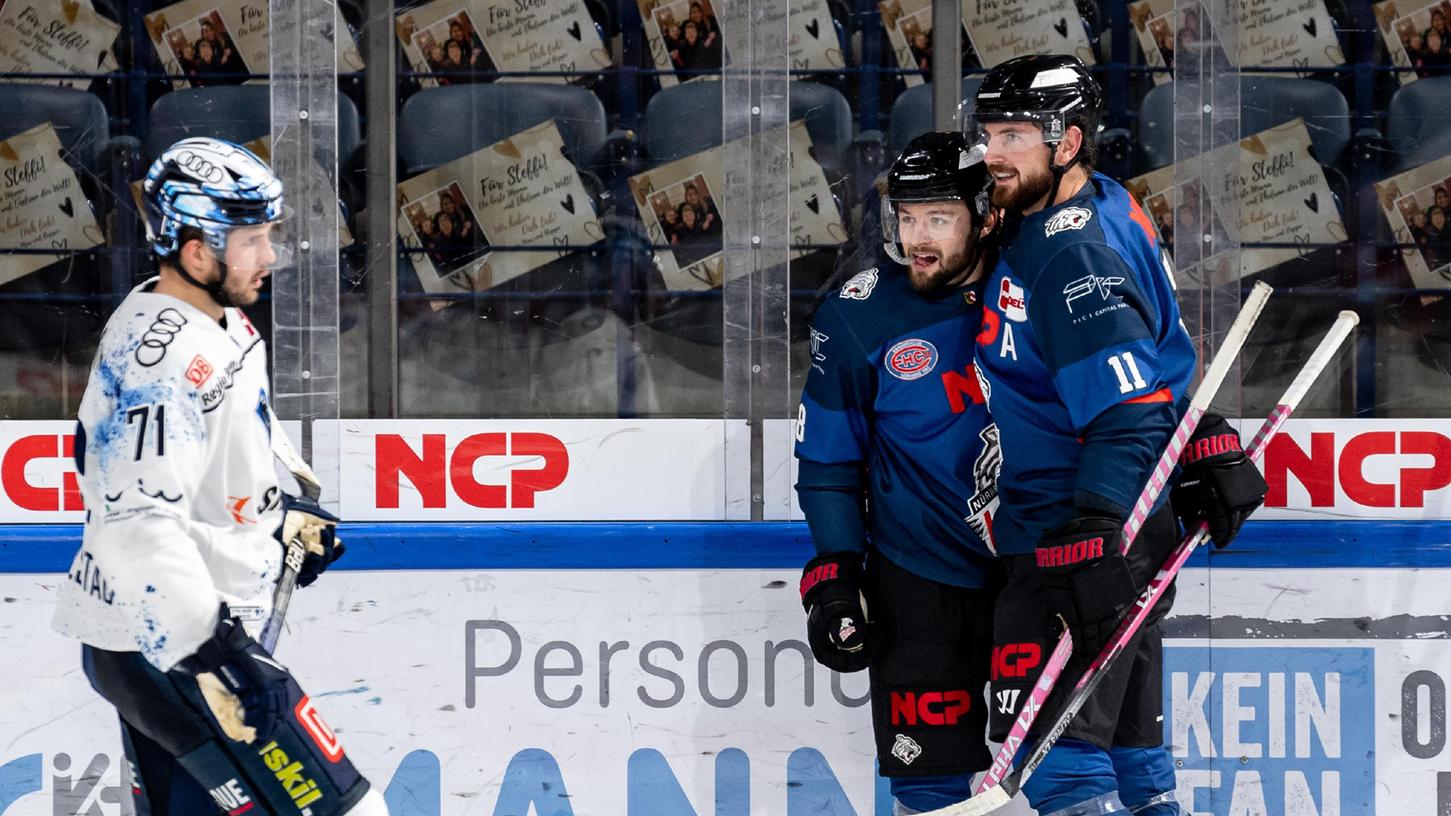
1051	90
937	166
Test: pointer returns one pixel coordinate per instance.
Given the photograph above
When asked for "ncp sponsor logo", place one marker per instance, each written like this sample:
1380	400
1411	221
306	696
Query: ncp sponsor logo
37	473
1362	471
438	473
909	708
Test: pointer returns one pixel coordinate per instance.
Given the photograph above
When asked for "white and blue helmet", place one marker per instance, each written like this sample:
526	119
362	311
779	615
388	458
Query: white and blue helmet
212	185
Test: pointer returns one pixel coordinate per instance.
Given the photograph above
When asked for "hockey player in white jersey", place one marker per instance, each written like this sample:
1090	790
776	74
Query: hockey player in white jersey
182	541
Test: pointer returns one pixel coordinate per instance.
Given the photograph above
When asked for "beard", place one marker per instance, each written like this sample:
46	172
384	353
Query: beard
239	291
1027	191
939	276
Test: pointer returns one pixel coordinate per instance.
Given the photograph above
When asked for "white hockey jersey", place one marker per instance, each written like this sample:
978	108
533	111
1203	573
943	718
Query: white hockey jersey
177	476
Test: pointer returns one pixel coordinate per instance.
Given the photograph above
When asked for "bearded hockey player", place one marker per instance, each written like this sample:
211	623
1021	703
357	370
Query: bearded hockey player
1085	364
185	518
895	449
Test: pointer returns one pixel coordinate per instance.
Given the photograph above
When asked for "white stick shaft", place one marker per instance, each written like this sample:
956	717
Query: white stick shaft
1224	359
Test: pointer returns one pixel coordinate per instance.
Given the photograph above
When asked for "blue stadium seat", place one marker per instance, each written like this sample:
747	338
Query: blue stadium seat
238	113
912	113
1416	123
438	125
1265	101
827	114
79	118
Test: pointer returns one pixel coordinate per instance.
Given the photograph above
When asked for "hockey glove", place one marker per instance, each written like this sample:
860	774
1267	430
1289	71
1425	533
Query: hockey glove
1086	579
245	688
841	635
1218	483
317	529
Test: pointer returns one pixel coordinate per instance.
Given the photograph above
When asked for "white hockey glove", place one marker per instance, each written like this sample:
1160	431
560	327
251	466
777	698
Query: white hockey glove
316	528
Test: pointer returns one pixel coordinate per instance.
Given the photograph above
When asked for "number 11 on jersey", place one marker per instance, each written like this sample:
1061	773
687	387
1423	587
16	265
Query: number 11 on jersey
1127	371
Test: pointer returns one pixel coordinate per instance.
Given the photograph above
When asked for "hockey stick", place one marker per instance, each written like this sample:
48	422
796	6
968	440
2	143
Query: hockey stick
1234	340
296	551
997	787
994	798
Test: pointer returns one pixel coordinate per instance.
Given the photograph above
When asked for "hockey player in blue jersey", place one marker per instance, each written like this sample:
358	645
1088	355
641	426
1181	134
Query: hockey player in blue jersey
897	469
1085	363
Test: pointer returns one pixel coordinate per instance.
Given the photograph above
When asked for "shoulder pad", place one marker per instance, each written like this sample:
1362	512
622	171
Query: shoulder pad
860	286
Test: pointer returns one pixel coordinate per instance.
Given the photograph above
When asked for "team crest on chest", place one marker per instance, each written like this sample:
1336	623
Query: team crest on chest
1071	218
860	286
911	359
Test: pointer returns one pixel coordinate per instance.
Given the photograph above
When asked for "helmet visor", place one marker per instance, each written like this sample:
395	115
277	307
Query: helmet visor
918	223
1017	135
256	247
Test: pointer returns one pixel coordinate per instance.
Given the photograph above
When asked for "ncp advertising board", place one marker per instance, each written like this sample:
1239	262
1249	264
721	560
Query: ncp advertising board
689	691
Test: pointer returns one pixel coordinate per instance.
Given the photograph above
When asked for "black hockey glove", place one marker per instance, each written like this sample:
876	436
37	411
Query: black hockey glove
1218	483
1086	579
841	635
317	528
245	688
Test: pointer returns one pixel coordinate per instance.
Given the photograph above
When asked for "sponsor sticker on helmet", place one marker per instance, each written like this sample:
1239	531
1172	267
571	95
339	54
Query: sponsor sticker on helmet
911	359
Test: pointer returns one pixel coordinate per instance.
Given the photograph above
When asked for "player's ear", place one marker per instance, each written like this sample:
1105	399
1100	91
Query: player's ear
989	223
1069	146
195	256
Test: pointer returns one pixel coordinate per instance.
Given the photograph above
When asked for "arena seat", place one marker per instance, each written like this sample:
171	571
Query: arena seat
1265	101
479	115
237	113
1416	121
911	114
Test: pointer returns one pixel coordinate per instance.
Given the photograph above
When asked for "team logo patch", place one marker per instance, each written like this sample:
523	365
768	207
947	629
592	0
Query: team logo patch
906	749
1012	302
860	286
847	630
198	371
911	359
1071	218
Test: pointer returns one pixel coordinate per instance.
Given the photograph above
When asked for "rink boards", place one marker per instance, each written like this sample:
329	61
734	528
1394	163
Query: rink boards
486	686
477	661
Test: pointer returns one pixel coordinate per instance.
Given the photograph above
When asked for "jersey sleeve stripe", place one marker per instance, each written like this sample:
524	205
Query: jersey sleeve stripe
1162	395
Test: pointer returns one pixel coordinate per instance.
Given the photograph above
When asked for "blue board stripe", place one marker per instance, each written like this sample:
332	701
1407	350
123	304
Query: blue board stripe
41	548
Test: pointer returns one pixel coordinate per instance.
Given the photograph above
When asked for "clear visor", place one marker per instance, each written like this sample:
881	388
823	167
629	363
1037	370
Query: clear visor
909	224
257	247
1033	131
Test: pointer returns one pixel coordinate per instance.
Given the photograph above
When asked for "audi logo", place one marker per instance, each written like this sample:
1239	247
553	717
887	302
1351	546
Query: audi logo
162	331
199	166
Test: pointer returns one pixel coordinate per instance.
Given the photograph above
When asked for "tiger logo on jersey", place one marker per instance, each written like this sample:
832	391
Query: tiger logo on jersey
984	501
1069	218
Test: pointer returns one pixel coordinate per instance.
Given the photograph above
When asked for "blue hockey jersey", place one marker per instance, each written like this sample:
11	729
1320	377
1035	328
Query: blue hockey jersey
1085	361
892	413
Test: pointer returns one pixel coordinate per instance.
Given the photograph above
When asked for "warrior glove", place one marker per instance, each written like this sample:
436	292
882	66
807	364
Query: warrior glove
1086	579
244	687
316	528
1219	484
842	636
